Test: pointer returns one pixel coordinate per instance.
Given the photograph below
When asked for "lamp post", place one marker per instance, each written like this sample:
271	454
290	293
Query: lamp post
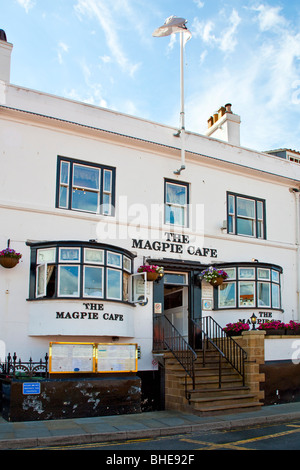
253	321
172	25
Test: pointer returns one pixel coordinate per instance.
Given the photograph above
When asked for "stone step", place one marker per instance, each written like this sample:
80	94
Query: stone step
217	402
206	374
215	392
213	382
227	408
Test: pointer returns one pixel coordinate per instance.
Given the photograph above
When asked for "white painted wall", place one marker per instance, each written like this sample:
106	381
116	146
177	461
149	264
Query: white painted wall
29	149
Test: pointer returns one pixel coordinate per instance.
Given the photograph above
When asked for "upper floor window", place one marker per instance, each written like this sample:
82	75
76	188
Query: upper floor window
176	203
85	187
246	216
79	270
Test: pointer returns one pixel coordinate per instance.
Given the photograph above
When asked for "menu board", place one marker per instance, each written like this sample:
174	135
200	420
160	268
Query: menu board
71	357
92	357
116	357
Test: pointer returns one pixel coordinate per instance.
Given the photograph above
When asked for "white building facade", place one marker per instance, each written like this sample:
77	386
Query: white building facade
89	195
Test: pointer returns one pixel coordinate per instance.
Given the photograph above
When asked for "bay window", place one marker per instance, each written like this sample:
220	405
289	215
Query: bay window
250	286
79	270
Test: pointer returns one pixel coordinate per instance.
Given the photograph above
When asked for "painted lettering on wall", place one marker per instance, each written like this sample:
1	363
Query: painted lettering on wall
262	317
93	314
174	243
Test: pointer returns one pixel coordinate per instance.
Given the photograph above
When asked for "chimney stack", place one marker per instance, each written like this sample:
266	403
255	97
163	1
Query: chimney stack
225	125
5	54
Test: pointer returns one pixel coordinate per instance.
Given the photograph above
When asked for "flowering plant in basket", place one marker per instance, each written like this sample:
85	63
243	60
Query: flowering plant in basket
237	327
272	325
150	269
211	274
10	253
293	326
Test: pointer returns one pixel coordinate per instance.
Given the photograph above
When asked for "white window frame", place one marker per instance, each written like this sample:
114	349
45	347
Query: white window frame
59	281
177	205
92	266
132	284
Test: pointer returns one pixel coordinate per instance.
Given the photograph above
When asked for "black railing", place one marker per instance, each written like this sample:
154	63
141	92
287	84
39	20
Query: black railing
167	337
12	367
207	332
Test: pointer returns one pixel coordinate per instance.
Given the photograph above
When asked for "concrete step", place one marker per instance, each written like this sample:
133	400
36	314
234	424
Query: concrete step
216	392
206	374
227	408
219	400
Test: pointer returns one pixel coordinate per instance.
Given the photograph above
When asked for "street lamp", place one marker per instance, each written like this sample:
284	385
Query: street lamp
173	25
253	320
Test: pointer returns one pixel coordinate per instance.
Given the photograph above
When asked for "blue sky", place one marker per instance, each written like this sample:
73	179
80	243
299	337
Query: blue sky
102	52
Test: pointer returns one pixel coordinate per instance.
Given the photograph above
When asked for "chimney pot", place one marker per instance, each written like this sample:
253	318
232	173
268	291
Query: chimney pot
221	111
2	35
210	121
215	117
228	107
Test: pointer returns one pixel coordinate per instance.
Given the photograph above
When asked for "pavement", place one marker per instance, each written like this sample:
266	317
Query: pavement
40	434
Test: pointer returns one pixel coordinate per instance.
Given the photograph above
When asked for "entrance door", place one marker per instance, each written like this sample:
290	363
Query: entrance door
176	301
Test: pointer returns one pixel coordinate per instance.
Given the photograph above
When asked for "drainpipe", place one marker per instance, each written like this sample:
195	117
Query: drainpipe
296	193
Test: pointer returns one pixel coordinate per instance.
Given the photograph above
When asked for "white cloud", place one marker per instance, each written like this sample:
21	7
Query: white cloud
226	41
62	48
106	59
269	17
262	81
199	3
26	4
104	13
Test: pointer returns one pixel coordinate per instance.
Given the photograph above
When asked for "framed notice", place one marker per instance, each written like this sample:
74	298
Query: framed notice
116	357
71	358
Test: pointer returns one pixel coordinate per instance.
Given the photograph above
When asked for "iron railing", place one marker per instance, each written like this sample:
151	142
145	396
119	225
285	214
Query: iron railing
13	366
204	334
166	336
208	332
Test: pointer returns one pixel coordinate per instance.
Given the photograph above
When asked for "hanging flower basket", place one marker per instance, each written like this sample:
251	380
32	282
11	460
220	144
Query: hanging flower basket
9	258
214	276
153	272
217	281
152	276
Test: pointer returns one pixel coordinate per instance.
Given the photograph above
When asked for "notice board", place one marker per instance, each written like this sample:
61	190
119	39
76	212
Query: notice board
113	357
92	357
71	358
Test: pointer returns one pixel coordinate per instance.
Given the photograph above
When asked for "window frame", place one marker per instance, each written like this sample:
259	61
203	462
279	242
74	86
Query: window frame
184	206
38	271
69	186
256	280
259	223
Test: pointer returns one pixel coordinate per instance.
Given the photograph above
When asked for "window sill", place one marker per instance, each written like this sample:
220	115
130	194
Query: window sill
81	299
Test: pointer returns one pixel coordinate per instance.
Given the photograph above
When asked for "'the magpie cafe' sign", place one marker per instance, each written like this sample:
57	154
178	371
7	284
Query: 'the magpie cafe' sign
94	311
174	243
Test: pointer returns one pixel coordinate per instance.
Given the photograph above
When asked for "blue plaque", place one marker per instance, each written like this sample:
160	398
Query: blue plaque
31	388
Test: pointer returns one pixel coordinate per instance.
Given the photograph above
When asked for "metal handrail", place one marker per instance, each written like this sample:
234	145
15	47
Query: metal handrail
212	333
166	336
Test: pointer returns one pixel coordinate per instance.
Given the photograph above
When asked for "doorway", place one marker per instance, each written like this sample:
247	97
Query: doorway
176	301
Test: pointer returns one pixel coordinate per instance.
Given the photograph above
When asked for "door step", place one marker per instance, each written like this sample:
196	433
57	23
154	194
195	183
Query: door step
226	408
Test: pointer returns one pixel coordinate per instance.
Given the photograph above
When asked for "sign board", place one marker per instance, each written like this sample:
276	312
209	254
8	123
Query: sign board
71	357
92	357
117	357
31	388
